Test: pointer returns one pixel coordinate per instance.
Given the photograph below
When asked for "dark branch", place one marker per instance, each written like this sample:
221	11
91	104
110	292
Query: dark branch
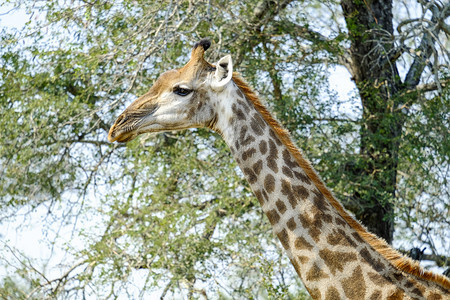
426	48
331	45
264	13
440	260
428	87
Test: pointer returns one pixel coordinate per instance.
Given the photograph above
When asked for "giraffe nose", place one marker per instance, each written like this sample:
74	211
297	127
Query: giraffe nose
112	132
121	120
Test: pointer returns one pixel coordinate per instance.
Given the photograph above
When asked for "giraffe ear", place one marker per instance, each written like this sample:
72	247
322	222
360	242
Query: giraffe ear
223	73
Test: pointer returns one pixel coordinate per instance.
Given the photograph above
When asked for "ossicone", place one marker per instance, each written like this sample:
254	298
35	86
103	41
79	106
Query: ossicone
199	50
205	43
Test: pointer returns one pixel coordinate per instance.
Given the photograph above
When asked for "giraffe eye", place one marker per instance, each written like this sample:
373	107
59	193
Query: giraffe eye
181	91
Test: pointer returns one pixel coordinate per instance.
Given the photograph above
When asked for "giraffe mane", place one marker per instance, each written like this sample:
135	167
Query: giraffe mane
398	260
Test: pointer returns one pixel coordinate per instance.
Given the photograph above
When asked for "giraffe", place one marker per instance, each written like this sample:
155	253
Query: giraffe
334	255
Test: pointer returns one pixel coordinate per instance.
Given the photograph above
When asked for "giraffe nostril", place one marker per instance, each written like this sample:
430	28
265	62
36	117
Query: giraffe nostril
121	120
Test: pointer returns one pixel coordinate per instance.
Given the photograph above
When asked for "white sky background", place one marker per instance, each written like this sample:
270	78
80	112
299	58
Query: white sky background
33	238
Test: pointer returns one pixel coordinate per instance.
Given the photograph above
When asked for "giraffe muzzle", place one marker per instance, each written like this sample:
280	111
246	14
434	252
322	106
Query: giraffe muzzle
127	125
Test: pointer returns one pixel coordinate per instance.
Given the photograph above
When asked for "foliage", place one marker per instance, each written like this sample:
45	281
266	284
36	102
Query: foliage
171	214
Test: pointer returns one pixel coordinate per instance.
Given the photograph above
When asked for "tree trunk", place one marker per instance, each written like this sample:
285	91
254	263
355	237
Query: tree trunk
370	30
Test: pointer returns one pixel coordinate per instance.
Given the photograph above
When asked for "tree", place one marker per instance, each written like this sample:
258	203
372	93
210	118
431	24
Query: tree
171	208
374	51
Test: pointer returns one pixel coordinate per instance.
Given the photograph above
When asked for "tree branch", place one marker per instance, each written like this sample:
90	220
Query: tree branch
337	120
428	87
440	260
92	142
343	55
426	48
264	12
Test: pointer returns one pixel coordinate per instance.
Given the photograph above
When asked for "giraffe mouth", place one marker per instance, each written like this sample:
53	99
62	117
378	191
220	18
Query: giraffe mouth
129	125
121	135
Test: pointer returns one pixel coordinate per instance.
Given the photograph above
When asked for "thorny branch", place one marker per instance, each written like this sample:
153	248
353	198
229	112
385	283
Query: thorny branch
427	44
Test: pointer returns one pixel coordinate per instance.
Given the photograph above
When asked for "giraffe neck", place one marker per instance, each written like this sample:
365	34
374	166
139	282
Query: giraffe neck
330	256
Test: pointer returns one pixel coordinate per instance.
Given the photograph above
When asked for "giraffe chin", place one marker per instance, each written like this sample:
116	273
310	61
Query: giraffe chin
123	137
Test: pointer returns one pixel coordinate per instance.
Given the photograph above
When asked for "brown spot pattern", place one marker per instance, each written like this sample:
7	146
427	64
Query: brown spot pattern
284	238
327	218
286	189
257	167
312	224
303	177
243	105
398	276
417	292
319	200
256	128
269	183
236	144
296	265
238	112
265	195
301	243
251	176
273	156
263	147
240	95
354	286
274	136
357	237
248	153
303	259
420	287
336	238
191	112
273	216
259	196
281	206
340	221
375	295
315	293
373	262
256	125
286	171
434	296
377	279
332	294
409	283
260	120
287	159
398	295
300	191
336	260
291	224
244	138
315	273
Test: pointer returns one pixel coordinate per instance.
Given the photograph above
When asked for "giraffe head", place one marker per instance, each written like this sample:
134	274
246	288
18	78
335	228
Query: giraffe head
179	99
